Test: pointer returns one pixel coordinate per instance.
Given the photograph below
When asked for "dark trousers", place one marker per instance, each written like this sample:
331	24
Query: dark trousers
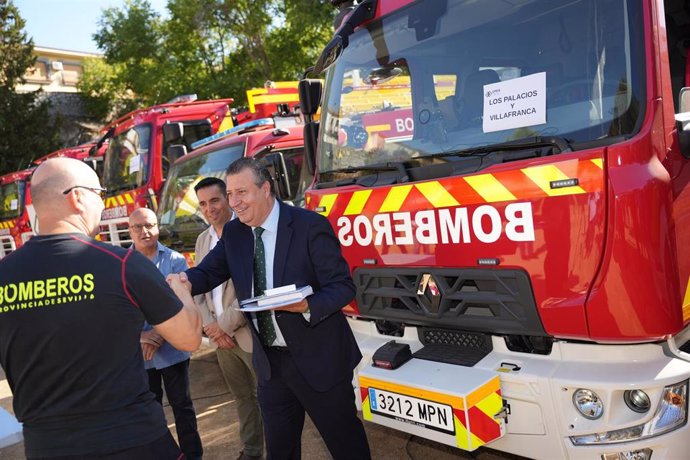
284	400
163	448
175	378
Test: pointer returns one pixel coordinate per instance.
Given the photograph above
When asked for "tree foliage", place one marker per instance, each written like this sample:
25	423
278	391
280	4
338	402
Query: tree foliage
214	48
107	94
26	129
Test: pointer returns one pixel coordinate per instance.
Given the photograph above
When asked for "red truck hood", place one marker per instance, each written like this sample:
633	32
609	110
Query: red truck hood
546	218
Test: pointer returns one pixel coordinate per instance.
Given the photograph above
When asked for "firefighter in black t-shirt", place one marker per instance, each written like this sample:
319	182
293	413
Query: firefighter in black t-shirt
71	312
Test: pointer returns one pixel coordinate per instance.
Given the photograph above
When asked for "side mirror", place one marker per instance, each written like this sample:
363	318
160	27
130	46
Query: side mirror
173	131
311	135
684	100
683	121
309	96
94	150
275	162
176	151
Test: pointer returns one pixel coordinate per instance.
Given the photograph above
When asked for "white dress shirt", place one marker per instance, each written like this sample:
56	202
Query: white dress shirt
269	237
217	292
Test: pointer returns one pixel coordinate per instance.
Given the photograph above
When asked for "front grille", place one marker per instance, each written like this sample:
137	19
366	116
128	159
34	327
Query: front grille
7	245
430	336
686	347
482	300
453	347
115	231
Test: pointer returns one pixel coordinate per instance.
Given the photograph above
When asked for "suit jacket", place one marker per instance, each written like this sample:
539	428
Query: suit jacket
307	252
231	321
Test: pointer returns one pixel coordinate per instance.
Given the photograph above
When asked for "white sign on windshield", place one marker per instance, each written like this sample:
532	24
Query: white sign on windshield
134	164
515	103
13	205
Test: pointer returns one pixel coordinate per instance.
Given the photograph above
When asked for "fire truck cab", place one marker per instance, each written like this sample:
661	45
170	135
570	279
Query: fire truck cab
137	158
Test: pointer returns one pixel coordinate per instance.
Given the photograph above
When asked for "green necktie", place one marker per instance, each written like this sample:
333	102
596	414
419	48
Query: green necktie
267	332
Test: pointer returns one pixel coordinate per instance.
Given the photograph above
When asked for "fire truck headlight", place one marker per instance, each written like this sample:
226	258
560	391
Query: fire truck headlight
671	414
637	400
588	403
672	411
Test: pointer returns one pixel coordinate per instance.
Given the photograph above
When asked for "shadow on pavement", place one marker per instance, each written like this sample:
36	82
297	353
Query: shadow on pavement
219	428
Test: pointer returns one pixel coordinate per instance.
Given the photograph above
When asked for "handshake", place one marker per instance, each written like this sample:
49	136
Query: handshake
179	283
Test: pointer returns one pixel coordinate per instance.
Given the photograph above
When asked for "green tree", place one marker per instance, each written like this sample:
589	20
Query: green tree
307	27
214	48
103	93
194	48
131	39
26	129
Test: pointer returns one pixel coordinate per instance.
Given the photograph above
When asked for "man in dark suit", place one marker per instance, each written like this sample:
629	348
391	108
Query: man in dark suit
304	353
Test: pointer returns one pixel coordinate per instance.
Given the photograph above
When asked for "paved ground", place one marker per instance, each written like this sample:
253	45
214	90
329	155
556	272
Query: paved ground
219	427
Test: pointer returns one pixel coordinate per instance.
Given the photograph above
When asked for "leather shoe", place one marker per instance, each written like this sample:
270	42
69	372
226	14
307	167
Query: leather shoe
244	456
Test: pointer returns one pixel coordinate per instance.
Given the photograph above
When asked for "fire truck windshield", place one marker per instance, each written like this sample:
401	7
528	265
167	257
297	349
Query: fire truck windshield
179	205
127	159
11	200
427	81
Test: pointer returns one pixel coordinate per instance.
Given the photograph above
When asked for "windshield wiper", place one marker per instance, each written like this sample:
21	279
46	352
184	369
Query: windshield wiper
561	143
390	166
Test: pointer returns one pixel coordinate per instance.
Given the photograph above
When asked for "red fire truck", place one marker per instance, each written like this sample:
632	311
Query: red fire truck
14	221
137	158
276	140
524	237
263	102
18	216
89	153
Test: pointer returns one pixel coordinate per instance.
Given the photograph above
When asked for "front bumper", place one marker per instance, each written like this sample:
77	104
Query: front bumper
538	395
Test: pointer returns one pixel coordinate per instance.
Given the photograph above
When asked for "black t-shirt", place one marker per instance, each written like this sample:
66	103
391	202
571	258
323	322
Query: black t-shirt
71	312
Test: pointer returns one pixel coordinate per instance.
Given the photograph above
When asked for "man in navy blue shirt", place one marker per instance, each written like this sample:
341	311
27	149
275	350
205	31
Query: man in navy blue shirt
71	313
165	364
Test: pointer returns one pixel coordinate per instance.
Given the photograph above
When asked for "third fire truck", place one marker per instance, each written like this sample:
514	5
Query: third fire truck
15	227
276	140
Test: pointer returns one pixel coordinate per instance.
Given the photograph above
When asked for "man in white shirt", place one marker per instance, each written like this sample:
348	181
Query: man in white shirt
225	326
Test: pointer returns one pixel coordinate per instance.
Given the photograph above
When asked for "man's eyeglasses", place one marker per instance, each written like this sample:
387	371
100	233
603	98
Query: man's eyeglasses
97	190
138	228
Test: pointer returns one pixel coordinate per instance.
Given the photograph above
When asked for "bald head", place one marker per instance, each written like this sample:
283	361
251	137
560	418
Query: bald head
77	210
56	175
143	228
142	214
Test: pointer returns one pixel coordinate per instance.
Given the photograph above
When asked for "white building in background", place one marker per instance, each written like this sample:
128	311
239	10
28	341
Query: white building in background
57	73
55	70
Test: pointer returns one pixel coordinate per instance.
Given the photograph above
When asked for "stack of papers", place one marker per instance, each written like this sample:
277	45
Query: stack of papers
276	297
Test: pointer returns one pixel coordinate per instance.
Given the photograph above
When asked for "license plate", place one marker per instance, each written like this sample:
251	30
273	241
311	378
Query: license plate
418	411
